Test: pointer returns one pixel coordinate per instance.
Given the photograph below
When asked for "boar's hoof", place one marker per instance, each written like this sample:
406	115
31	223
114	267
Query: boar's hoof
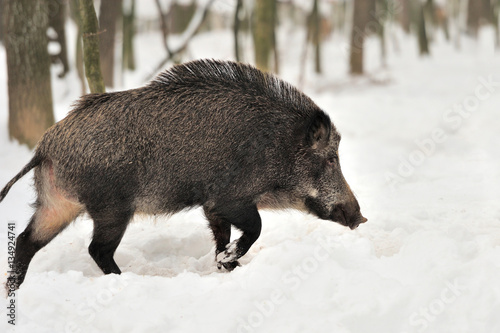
230	254
227	258
229	266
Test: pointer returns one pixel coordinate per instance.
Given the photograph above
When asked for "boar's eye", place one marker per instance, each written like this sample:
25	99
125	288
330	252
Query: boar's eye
332	159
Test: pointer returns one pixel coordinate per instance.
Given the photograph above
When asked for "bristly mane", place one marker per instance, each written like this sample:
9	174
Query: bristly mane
234	74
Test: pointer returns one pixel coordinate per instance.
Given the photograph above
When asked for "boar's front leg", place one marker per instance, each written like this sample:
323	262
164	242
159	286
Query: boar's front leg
244	217
221	229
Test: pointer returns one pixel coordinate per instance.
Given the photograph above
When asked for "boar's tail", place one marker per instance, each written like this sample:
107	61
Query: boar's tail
36	160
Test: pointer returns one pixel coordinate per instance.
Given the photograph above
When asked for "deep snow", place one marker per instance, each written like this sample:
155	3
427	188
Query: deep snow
426	174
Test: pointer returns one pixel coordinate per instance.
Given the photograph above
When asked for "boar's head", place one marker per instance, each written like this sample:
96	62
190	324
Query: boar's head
323	187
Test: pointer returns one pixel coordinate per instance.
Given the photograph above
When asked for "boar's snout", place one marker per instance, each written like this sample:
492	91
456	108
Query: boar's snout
357	222
348	214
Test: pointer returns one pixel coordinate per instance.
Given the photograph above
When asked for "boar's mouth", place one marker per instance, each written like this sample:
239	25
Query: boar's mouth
347	214
342	215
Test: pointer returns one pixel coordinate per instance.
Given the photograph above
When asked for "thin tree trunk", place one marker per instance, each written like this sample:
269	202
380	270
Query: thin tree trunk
360	20
108	17
28	70
128	57
488	11
455	17
79	60
74	7
303	56
263	32
274	38
316	36
423	42
236	29
445	24
1	20
383	45
91	46
405	15
430	18
382	6
473	16
496	23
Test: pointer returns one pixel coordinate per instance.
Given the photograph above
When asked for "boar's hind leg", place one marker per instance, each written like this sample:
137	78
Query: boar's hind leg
245	218
109	227
54	211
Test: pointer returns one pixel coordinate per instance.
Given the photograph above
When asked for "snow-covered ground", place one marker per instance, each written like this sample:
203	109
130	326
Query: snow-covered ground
420	148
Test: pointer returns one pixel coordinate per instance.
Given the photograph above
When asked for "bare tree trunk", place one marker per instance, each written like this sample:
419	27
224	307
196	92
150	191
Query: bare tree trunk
91	46
108	17
455	21
473	16
79	60
1	20
496	23
263	32
316	36
276	57
487	11
28	70
405	15
360	20
236	29
57	20
74	7
383	45
128	57
423	42
444	19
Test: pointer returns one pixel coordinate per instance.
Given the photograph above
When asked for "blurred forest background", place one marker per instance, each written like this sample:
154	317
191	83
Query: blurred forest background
35	36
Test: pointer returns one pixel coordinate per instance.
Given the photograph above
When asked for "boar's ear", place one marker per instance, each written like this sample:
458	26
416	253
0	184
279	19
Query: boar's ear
318	134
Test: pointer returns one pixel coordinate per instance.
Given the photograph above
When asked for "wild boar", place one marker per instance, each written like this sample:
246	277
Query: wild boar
217	134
